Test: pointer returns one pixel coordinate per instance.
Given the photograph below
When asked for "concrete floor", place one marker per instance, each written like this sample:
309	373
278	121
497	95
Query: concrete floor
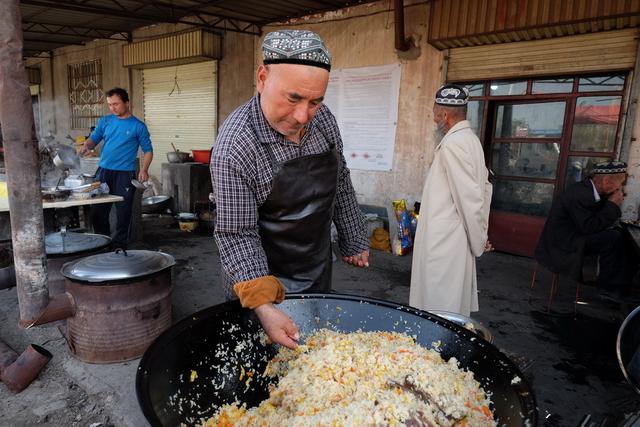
570	362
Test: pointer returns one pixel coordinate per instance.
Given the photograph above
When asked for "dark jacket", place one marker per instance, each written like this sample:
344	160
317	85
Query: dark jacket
574	215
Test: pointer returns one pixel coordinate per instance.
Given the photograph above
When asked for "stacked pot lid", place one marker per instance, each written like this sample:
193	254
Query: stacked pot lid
118	265
67	242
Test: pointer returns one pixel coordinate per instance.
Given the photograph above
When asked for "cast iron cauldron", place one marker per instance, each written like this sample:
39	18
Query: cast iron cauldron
116	303
195	365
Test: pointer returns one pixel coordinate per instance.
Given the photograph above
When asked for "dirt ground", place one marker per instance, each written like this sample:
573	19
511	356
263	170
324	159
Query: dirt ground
569	360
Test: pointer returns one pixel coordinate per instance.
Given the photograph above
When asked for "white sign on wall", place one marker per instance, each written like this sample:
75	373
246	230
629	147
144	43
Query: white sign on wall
365	103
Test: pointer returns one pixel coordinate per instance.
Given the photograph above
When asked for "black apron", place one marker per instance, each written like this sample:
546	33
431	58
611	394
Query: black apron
295	220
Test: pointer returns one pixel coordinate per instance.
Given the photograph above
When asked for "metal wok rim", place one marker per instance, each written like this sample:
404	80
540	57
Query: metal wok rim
623	368
154	200
530	413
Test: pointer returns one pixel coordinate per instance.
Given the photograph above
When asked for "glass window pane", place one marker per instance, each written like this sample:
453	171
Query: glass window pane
600	84
523	197
499	88
475	110
540	120
595	123
580	167
475	89
530	160
552	86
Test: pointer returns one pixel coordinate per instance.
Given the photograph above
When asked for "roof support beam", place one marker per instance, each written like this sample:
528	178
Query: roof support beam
225	10
226	24
31	53
75	31
50	41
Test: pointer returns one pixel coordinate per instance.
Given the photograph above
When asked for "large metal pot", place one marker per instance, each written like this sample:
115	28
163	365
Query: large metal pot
177	157
116	303
170	395
66	246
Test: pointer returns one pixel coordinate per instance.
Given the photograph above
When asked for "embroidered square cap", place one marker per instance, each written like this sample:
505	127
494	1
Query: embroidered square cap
295	47
610	167
452	96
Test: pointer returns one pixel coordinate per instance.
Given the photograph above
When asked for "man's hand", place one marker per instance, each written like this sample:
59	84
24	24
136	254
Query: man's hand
488	247
616	197
360	260
88	146
278	326
143	176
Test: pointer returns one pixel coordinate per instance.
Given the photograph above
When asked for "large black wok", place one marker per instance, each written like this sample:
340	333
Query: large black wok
197	363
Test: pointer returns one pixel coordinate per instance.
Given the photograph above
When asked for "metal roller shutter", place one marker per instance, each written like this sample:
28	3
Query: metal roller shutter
602	51
180	107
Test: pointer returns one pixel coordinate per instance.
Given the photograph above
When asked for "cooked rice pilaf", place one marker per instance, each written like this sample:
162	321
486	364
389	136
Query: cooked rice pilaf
364	379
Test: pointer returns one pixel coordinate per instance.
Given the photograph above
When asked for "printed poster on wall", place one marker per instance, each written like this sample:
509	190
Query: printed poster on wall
365	103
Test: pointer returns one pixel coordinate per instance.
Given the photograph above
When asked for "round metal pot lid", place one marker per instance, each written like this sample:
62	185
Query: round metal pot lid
70	243
118	265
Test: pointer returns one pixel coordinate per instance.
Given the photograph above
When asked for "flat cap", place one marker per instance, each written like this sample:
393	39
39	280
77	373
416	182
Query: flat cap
452	96
610	167
295	47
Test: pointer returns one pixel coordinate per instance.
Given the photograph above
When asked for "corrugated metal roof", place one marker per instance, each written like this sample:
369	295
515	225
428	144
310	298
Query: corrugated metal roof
49	24
461	23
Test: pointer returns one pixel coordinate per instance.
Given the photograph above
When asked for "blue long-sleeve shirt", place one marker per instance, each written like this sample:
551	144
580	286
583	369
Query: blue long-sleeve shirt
122	137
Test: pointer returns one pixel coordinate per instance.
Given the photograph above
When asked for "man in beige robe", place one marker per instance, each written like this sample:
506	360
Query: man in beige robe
454	214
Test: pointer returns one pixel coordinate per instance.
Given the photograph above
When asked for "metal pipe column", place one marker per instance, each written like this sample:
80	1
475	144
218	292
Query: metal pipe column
401	42
22	166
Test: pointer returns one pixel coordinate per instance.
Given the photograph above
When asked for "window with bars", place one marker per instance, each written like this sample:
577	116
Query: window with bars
86	97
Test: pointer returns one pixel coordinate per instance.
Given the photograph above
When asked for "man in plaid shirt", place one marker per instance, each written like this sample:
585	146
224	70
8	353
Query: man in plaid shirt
280	180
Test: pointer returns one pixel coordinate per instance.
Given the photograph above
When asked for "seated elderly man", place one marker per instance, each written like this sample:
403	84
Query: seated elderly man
581	222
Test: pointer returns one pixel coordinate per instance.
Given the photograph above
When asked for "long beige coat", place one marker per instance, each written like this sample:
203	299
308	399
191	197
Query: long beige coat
452	229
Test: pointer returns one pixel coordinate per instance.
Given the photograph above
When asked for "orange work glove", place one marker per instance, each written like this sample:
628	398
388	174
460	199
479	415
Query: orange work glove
261	290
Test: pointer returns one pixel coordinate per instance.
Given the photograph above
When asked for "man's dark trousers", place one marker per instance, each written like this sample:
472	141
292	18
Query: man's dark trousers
615	269
119	183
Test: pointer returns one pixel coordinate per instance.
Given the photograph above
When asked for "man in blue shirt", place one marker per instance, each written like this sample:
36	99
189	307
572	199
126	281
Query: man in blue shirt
122	133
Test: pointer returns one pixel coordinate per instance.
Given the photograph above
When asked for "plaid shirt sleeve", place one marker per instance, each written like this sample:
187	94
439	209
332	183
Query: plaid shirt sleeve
236	230
348	218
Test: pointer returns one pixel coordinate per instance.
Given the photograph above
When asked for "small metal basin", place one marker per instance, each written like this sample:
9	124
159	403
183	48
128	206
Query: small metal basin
155	204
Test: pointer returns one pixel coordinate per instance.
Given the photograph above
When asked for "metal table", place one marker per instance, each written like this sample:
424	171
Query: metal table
109	198
84	216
